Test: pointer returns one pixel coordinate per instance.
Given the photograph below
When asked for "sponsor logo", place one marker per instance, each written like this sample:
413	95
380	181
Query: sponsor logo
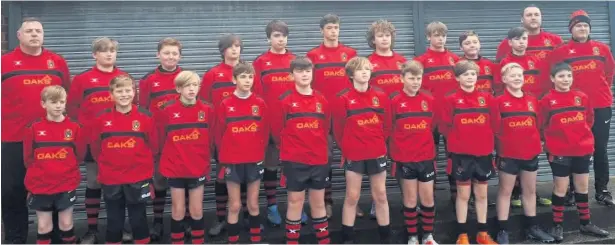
202	178
338	73
484	86
383	164
430	174
252	128
392	80
194	135
587	67
476	120
445	76
577	118
308	125
282	78
416	126
46	80
161	103
528	122
127	144
541	55
146	195
101	99
370	121
59	155
529	80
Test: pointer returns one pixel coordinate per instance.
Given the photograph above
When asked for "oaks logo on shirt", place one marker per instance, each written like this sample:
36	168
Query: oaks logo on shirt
586	67
282	78
530	64
596	50
201	116
344	56
308	125
339	73
528	122
319	107
548	43
46	80
416	126
252	128
375	102
481	101
577	100
255	110
579	117
370	121
136	125
101	99
50	64
486	85
529	80
59	155
392	80
474	120
445	76
530	106
541	55
68	134
451	61
194	135
161	103
126	144
424	105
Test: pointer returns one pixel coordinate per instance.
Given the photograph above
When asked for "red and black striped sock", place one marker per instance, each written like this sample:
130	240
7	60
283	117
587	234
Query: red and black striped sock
158	205
92	207
233	233
321	226
410	219
270	179
582	201
293	230
428	215
68	237
198	231
44	238
177	232
558	208
255	229
221	193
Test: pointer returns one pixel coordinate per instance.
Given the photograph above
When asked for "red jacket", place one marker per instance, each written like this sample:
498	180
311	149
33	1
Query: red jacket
386	71
89	94
187	141
515	124
534	82
157	87
217	84
52	153
485	76
539	46
272	76
466	123
301	127
242	130
362	123
329	68
124	146
566	119
413	124
23	78
593	67
438	76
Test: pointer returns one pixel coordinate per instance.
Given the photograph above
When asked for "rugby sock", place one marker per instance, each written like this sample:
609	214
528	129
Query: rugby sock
43	238
582	207
270	179
158	205
68	237
177	232
558	209
293	229
233	233
428	215
482	227
221	193
92	207
385	233
321	226
503	224
410	219
198	231
347	233
255	229
462	228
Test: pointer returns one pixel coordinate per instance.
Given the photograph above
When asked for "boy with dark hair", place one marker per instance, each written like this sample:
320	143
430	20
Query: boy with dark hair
465	122
329	75
241	136
300	130
567	116
412	112
469	43
88	95
53	147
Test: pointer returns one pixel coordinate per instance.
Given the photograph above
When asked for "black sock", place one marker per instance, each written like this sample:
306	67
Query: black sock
255	229
385	233
347	233
158	205
482	227
462	228
198	231
44	238
221	193
428	216
411	221
558	209
177	232
233	233
503	224
68	237
270	181
530	221
582	201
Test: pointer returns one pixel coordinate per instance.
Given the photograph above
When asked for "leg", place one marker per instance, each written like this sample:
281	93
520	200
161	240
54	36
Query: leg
293	216
410	193
65	223
14	206
160	196
253	210
318	211
234	206
196	213
428	210
116	213
528	190
328	190
45	226
506	186
482	173
600	129
138	221
379	194
270	179
177	213
349	210
221	199
92	200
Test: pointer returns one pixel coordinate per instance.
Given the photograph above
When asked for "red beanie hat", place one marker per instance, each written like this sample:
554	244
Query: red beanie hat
578	17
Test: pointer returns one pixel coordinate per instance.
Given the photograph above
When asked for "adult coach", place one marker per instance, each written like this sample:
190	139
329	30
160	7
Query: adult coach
540	43
592	69
25	72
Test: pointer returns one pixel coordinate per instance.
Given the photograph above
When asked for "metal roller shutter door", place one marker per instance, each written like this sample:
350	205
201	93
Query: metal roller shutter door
492	20
71	27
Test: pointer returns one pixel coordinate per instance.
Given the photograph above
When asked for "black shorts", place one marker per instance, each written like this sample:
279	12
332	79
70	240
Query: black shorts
468	167
244	173
368	167
514	166
48	203
134	193
186	183
564	166
300	177
423	171
88	155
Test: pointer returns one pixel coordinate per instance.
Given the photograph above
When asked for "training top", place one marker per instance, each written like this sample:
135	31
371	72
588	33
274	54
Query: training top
329	68
217	84
413	124
438	76
157	87
386	72
539	46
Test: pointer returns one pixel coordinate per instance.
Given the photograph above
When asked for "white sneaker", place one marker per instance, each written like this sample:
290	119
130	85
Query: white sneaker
414	240
428	240
372	212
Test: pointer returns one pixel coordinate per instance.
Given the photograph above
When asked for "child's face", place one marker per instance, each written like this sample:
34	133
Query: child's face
437	40
54	108
106	58
244	81
519	44
303	78
514	78
169	56
562	80
362	74
412	82
189	90
471	46
383	40
123	95
468	79
233	52
278	40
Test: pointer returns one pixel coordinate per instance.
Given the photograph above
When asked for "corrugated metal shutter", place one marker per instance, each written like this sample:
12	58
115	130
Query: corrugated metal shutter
70	28
492	20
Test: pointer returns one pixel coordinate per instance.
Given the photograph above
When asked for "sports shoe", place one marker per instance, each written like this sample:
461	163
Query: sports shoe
304	218
360	213
329	210
413	240
605	198
217	228
542	201
502	237
593	230
428	239
156	232
515	201
463	239
372	212
90	237
557	232
273	215
537	234
484	238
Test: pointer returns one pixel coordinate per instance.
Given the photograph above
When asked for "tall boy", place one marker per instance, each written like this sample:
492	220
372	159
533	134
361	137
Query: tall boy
330	78
300	130
88	95
386	62
53	147
412	112
465	122
124	142
241	136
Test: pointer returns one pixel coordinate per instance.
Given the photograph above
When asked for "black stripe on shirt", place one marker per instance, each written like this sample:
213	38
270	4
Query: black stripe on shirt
161	93
327	65
305	114
32	72
186	126
366	110
94	90
569	60
437	68
566	109
219	85
471	110
244	118
37	145
540	48
531	72
489	77
271	71
386	72
413	114
518	113
122	134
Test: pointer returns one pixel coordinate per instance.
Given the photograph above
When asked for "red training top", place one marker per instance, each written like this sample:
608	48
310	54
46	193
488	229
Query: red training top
539	45
386	71
217	84
157	87
413	124
534	82
329	68
272	76
438	76
485	76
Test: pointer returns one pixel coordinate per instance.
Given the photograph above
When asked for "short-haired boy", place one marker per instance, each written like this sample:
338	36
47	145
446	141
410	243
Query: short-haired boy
242	135
124	142
412	114
54	146
469	43
184	127
465	122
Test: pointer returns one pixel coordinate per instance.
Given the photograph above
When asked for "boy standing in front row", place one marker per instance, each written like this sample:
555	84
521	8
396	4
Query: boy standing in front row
53	148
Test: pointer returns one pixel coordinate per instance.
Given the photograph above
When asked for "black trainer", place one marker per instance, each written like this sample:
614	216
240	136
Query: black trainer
557	232
537	234
605	198
593	230
156	232
502	237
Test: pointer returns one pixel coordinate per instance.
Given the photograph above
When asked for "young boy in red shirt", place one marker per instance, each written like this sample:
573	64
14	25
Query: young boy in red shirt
567	116
361	125
124	143
300	129
465	122
53	148
386	62
470	45
412	112
184	127
241	136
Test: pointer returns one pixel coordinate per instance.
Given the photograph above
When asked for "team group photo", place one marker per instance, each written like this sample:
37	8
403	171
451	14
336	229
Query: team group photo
280	126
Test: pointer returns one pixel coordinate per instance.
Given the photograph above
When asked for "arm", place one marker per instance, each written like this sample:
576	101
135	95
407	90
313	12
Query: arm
386	105
609	67
446	118
339	120
266	119
258	84
327	111
211	121
219	125
80	143
543	79
496	117
74	97
543	108
152	138
498	85
503	50
28	152
160	120
206	83
94	138
589	112
144	92
278	121
63	67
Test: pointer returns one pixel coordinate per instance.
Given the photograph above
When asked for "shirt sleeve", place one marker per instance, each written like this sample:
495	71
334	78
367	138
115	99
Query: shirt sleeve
206	83
94	138
609	67
543	108
80	143
386	105
339	119
503	50
278	122
589	112
219	125
446	118
63	66
144	92
74	97
152	138
257	88
28	152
